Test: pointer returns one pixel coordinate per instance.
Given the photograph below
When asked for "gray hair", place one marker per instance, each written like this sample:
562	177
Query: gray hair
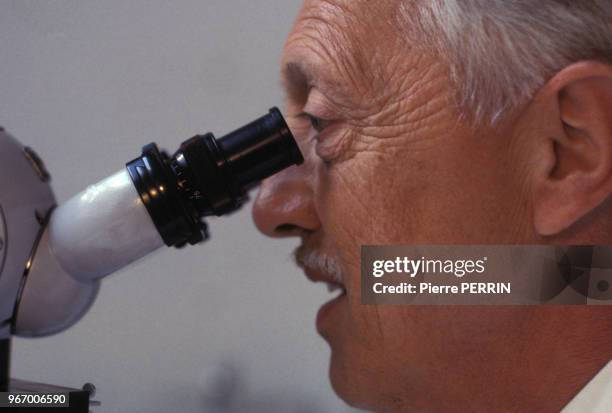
501	52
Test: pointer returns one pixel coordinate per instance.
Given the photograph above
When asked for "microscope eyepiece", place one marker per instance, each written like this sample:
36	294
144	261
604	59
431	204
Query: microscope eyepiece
209	176
260	149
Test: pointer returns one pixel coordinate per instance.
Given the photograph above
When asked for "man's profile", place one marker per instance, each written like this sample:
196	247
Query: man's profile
448	122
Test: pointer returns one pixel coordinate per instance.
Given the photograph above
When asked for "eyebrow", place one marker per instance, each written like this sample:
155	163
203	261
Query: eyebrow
297	77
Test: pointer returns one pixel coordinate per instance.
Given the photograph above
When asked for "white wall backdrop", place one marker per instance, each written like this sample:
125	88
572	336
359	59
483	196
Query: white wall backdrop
86	84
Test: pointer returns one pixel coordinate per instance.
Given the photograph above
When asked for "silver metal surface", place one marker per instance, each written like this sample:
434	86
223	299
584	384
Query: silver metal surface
51	300
23	195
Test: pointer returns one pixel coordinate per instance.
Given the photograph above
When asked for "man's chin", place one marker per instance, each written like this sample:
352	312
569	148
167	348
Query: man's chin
340	380
346	384
345	372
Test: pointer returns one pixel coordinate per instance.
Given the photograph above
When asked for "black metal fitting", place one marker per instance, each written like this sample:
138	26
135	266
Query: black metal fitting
209	176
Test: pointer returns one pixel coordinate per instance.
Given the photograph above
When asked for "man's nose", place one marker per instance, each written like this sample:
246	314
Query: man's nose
284	204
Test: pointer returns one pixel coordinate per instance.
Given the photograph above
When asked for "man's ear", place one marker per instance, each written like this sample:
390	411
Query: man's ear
575	174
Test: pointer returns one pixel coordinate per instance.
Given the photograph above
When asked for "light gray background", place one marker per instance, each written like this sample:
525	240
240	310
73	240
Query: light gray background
87	84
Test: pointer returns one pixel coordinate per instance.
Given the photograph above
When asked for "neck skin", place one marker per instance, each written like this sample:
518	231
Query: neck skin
552	367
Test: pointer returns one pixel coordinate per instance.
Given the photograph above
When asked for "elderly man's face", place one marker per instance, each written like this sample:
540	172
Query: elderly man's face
389	160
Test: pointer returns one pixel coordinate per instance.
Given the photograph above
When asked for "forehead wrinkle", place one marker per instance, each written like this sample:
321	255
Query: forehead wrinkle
327	8
361	39
321	52
339	28
308	62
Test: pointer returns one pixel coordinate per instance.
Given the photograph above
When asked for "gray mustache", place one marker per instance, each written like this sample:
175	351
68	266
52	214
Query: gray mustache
314	260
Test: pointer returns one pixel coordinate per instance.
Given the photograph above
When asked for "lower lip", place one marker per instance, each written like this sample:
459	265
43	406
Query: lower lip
327	310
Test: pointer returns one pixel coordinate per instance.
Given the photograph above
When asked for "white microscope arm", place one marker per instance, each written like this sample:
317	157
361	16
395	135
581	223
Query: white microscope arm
95	233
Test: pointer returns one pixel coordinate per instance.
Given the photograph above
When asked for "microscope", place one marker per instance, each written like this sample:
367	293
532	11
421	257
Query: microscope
52	258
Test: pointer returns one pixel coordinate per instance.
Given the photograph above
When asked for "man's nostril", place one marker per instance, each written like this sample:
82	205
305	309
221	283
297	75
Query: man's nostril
285	229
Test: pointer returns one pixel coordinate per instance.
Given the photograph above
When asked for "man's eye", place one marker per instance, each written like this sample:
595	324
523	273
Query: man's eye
317	124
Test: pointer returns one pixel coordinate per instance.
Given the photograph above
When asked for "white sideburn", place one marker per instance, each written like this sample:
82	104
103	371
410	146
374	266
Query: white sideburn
102	229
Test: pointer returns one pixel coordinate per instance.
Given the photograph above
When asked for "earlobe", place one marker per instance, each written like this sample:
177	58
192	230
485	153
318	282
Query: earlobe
577	147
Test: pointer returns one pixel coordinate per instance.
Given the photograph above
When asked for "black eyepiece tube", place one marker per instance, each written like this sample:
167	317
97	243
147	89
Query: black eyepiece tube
209	176
260	149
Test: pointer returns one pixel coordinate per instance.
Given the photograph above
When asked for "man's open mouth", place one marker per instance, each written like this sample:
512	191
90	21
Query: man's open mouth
320	267
326	321
333	282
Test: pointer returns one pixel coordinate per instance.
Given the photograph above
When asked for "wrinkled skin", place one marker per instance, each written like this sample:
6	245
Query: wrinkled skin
394	162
